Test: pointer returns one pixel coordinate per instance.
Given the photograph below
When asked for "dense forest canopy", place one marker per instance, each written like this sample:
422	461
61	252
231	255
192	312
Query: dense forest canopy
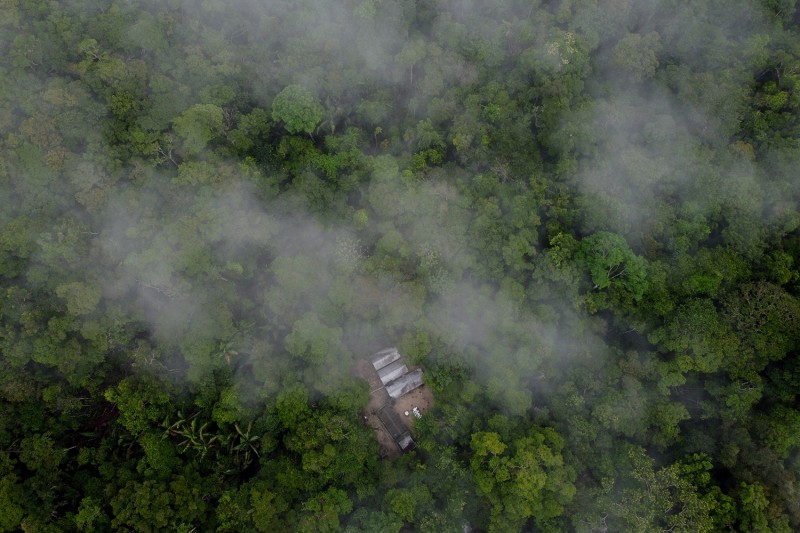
580	217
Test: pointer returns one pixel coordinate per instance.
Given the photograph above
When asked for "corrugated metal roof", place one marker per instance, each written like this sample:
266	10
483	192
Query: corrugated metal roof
392	371
399	432
405	384
384	357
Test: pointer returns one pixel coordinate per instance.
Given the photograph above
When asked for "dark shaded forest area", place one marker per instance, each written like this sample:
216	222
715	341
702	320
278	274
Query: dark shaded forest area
580	217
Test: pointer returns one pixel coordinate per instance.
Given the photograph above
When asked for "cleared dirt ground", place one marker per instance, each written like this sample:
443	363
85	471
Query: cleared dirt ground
377	396
421	397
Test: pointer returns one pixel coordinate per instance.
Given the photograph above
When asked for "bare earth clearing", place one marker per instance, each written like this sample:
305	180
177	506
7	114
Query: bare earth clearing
421	397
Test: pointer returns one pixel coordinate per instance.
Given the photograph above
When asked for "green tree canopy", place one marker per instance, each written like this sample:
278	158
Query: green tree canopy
298	109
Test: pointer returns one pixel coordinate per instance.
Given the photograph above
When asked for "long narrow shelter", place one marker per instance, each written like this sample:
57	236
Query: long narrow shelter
392	371
391	421
405	384
384	357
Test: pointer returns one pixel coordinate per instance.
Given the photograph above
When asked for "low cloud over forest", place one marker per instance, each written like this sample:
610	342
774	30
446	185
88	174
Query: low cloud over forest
580	219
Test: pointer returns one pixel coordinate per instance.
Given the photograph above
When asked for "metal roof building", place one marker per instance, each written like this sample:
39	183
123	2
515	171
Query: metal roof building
392	371
394	374
384	357
399	432
397	381
405	383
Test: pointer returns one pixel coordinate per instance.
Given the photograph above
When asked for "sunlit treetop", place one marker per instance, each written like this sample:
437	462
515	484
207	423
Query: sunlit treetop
298	109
